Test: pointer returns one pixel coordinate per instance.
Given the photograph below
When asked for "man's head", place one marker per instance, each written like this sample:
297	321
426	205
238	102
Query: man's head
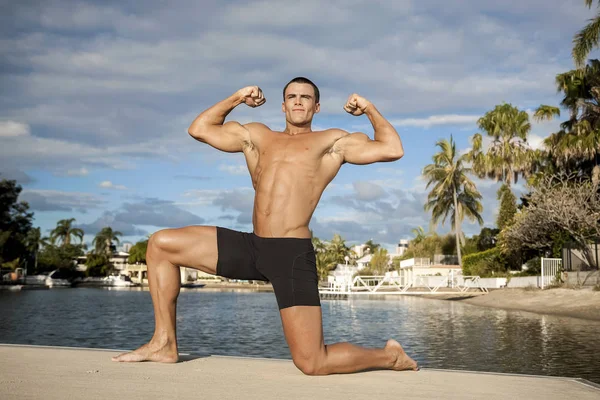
300	101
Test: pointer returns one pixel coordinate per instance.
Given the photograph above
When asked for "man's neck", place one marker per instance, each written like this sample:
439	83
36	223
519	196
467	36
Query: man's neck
294	130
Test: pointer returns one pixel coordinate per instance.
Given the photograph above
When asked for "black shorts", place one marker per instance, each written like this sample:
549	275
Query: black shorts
288	263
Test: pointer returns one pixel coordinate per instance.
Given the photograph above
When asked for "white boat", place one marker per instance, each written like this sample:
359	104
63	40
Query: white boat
56	279
119	281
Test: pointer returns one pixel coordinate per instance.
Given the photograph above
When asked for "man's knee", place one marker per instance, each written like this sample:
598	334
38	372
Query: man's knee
310	363
159	241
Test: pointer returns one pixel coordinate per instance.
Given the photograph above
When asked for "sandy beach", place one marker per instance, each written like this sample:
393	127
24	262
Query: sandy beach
577	303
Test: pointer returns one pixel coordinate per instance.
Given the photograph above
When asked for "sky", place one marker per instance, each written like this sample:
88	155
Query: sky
96	98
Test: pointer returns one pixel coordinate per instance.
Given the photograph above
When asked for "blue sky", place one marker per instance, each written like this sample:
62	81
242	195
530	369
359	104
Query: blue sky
97	97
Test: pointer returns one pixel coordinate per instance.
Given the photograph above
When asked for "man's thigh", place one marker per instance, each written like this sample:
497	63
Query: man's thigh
303	330
192	247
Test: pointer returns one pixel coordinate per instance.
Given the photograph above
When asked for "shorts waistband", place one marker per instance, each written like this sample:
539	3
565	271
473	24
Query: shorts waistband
280	238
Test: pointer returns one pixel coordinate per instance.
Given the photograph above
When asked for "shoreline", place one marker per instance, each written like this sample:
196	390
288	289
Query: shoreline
581	303
575	303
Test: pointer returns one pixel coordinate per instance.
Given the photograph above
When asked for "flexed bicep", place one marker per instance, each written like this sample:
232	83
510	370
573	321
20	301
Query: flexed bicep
357	148
230	137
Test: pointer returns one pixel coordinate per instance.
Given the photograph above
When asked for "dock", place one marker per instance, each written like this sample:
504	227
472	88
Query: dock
31	372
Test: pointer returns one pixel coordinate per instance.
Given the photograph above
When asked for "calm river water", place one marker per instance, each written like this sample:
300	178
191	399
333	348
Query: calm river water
438	334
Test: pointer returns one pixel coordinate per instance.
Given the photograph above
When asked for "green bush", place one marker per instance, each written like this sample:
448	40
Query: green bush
484	263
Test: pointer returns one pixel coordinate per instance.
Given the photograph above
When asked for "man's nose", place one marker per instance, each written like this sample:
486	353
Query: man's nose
297	100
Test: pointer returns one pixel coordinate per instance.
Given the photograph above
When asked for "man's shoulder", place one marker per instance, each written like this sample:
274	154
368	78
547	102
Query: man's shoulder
258	126
335	132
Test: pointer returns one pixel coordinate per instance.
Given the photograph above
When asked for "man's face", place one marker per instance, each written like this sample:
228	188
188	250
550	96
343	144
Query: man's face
299	103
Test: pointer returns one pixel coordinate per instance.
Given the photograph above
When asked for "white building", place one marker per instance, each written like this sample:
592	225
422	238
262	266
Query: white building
401	247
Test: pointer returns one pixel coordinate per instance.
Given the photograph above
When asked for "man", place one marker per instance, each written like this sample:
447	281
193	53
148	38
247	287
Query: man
289	171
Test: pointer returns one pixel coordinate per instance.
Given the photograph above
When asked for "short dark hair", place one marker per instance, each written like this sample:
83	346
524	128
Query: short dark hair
301	79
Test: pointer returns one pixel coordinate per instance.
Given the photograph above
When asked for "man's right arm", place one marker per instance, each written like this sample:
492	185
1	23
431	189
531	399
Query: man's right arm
231	137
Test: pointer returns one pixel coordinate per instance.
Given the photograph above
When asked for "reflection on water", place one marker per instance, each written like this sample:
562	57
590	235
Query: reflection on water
438	334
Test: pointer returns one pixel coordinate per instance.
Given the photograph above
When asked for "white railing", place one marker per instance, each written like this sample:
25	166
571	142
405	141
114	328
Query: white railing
469	282
415	262
390	284
551	267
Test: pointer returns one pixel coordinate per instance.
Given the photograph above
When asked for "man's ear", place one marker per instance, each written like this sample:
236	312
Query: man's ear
283	107
317	108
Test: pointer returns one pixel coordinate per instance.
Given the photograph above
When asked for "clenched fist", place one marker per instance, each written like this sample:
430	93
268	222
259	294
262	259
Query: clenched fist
252	96
356	105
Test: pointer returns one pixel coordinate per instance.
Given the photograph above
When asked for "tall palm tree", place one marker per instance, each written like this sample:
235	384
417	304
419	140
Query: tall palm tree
507	157
586	39
104	241
453	193
576	147
64	230
35	242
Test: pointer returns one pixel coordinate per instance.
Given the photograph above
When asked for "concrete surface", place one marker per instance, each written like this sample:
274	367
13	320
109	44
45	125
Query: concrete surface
34	372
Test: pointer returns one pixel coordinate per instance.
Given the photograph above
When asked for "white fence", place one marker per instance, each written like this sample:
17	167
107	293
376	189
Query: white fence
551	267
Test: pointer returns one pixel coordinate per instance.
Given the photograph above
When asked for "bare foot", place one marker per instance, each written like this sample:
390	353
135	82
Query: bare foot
150	352
403	362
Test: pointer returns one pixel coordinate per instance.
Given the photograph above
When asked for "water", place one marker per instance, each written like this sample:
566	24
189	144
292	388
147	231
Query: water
438	334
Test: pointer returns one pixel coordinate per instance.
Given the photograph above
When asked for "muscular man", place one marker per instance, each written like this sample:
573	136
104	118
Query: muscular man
289	171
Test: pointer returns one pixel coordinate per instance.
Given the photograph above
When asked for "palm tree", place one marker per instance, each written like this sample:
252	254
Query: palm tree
507	157
586	39
35	242
419	233
325	263
104	241
338	249
576	147
318	244
453	192
64	230
371	246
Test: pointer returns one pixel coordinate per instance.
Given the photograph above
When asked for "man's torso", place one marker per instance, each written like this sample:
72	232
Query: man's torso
289	174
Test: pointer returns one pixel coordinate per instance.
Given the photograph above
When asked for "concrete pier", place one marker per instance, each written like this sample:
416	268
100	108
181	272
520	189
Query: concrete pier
34	372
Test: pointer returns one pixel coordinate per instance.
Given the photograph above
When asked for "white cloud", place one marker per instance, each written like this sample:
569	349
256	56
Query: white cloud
234	169
13	128
57	200
434	120
110	185
78	172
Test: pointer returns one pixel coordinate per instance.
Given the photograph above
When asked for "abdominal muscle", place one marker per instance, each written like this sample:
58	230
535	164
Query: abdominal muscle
286	197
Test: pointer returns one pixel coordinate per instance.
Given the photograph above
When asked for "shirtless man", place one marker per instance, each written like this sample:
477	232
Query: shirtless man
289	171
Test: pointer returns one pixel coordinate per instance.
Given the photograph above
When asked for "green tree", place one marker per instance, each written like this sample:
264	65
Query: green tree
487	238
575	149
35	242
371	246
137	253
508	155
103	242
318	244
63	257
453	193
379	263
419	233
508	207
15	224
325	264
586	39
97	265
338	249
64	230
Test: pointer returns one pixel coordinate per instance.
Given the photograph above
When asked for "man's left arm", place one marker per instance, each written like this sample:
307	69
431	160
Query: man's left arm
358	148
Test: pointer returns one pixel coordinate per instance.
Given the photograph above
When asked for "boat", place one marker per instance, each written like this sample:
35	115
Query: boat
57	279
192	285
119	281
